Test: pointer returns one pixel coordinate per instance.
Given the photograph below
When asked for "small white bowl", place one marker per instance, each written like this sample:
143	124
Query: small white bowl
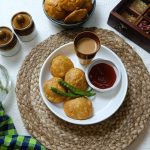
112	64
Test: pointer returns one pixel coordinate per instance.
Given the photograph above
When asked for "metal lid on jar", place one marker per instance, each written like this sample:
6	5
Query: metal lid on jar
6	36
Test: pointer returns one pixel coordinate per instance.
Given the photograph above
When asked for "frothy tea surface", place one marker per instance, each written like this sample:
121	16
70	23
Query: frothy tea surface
86	46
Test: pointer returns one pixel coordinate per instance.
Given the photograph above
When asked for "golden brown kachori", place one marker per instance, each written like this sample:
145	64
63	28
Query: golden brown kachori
54	10
78	108
51	96
71	5
70	11
60	65
76	78
76	16
88	5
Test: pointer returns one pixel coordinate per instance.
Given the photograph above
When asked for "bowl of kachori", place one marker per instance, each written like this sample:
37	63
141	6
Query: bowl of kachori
69	13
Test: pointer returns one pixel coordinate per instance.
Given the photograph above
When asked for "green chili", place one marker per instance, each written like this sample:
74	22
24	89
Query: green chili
55	90
75	90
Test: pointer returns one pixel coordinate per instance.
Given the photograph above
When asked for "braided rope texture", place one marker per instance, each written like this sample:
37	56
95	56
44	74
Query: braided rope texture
115	133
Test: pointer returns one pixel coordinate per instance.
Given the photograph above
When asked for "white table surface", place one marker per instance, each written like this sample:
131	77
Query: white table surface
45	28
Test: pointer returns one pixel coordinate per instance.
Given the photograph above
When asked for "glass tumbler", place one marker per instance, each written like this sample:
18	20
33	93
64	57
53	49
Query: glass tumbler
5	83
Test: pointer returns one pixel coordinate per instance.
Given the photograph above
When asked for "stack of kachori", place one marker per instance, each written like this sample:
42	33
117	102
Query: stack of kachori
62	68
70	11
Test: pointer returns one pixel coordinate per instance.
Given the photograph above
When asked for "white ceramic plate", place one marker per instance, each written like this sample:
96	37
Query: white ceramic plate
104	104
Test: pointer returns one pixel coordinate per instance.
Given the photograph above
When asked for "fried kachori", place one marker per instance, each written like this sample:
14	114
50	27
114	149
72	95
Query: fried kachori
54	10
70	11
60	65
76	16
71	5
88	5
51	96
76	78
79	108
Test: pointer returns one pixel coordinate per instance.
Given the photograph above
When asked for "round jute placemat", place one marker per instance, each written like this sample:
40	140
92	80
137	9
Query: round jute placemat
115	133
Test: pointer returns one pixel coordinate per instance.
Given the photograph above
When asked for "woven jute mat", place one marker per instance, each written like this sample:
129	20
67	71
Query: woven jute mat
115	133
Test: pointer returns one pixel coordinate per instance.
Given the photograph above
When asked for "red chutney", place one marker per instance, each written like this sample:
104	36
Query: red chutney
102	76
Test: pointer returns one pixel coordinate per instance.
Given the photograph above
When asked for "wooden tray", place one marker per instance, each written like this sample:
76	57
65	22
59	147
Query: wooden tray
128	18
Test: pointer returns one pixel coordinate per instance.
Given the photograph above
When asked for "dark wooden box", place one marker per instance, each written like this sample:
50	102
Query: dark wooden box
132	19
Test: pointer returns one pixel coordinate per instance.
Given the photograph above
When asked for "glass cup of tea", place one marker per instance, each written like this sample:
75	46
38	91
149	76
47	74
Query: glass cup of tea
86	45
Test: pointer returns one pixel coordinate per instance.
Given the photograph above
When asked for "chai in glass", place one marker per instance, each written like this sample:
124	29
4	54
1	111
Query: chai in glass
86	46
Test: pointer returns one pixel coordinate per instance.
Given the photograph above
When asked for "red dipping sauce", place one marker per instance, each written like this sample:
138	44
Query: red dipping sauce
102	75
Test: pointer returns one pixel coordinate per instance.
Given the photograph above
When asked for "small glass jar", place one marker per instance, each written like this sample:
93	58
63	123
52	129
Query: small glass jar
24	26
5	83
9	44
